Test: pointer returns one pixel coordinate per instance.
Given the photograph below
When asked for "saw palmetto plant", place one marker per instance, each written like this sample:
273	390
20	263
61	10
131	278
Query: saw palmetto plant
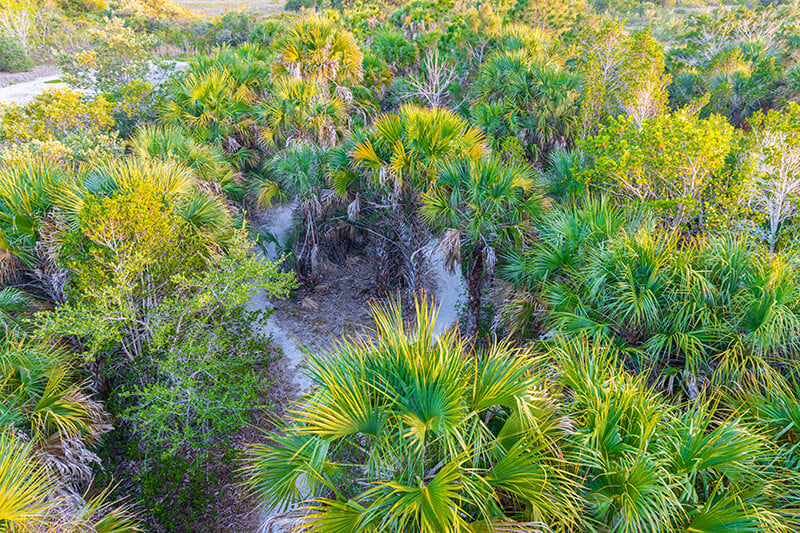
316	50
49	425
208	162
602	197
44	400
212	106
710	305
391	168
485	205
405	432
300	111
27	192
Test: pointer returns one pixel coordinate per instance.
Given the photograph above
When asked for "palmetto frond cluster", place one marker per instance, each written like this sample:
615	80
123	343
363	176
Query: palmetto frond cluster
710	305
386	172
49	425
406	432
316	50
522	92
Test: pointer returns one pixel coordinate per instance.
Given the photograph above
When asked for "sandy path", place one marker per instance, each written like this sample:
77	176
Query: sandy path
279	221
449	291
212	8
22	92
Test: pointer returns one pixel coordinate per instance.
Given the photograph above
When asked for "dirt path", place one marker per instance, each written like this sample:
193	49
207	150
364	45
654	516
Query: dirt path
42	71
338	306
211	8
20	87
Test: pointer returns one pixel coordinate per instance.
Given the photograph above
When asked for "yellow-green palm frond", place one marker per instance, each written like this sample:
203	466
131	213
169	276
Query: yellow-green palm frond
98	515
208	217
24	485
208	162
315	49
412	143
43	397
168	178
401	426
26	192
300	110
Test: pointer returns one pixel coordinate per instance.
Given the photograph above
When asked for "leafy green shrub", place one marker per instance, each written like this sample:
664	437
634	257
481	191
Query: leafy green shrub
55	114
61	125
13	55
151	9
297	5
191	491
117	57
146	246
83	6
232	28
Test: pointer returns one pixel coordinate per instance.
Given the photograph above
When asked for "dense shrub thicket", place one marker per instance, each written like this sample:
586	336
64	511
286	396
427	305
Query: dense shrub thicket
617	183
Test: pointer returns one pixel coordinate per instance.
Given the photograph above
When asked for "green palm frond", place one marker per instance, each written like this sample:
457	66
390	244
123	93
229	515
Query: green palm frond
276	472
407	431
315	49
24	485
729	510
208	162
207	216
99	515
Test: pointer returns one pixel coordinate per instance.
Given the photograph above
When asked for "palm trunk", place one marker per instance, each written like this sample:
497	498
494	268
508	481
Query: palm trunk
413	241
304	258
382	260
475	288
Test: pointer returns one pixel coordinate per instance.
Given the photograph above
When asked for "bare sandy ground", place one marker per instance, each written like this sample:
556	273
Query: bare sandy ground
216	7
21	87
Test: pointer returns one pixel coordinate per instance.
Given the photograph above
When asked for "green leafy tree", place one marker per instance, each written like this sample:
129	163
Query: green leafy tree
118	56
558	16
623	74
201	379
134	225
667	163
733	62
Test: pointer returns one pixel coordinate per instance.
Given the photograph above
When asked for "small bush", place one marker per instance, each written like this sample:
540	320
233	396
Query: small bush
83	6
295	5
13	55
117	57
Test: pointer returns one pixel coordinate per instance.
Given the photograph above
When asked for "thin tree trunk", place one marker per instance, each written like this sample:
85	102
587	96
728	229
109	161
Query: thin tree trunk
413	241
382	262
475	288
304	258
